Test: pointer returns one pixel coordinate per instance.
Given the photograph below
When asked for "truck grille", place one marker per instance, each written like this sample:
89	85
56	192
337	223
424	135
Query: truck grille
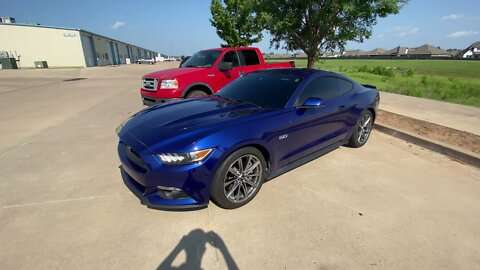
150	84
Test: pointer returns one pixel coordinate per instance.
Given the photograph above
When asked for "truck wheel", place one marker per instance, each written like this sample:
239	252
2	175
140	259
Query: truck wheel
196	93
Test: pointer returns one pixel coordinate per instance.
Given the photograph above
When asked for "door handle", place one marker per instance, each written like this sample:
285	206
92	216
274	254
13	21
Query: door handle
240	73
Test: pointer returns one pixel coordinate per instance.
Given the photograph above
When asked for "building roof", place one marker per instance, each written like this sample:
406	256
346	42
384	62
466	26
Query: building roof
377	51
69	29
354	53
474	45
427	50
397	51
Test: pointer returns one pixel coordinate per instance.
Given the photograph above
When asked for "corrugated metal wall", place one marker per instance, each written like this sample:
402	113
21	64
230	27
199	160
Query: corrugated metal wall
64	48
60	48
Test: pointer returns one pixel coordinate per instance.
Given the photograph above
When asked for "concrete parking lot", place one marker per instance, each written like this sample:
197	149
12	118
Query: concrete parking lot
388	205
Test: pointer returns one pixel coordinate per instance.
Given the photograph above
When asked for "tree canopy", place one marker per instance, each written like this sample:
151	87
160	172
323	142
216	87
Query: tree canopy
314	25
237	22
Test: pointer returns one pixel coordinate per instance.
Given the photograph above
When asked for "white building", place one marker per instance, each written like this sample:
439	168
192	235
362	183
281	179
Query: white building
65	47
472	51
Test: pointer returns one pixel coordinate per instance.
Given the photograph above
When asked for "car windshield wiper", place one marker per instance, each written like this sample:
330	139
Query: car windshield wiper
191	66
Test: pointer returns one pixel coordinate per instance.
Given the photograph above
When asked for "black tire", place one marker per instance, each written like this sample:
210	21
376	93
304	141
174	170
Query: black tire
219	190
356	140
195	93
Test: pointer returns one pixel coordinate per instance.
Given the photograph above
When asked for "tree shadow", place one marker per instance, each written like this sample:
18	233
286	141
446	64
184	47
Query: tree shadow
194	245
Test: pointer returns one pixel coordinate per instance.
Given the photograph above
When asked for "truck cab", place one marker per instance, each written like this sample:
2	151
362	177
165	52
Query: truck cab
204	73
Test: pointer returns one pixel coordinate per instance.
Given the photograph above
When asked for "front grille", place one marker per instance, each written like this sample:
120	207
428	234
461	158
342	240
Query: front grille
134	158
150	84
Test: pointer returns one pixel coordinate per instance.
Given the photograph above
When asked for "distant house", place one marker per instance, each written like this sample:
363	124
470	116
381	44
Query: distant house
428	51
330	54
397	51
277	56
353	53
472	51
299	55
377	51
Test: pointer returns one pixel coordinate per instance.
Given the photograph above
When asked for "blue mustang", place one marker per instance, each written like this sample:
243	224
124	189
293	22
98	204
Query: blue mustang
178	155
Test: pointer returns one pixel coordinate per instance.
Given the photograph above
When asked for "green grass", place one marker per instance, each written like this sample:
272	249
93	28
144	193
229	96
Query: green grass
446	80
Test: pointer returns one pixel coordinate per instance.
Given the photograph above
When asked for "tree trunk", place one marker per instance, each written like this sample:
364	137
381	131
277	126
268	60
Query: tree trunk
310	60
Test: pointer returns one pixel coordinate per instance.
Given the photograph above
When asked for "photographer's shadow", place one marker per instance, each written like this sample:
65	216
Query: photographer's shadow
194	245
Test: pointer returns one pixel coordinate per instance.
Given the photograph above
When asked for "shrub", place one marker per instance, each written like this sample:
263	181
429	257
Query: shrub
363	68
408	73
379	70
424	80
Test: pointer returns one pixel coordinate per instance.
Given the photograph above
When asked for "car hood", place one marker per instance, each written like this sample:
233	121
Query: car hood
187	120
171	73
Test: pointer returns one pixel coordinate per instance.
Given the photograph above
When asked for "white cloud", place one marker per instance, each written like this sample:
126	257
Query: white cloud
405	31
461	34
454	17
117	25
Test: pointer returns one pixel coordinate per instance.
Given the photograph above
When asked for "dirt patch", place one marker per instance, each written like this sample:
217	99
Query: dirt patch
462	139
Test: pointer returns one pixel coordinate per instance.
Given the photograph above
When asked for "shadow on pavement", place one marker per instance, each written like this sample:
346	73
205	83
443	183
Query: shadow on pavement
194	245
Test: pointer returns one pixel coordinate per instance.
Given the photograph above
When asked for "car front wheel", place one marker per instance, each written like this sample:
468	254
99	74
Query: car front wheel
239	178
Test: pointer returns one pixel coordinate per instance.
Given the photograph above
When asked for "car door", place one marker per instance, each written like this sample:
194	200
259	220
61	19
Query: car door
249	60
315	128
222	78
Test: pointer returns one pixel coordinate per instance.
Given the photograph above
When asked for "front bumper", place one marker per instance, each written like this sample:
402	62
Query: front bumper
146	176
150	101
153	200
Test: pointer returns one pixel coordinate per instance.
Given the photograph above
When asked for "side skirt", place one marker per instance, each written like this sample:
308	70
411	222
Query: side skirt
305	160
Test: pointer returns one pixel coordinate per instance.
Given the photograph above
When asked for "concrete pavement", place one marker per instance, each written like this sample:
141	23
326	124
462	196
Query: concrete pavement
460	117
388	205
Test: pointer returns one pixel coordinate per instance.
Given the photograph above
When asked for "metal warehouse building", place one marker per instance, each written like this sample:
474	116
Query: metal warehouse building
64	47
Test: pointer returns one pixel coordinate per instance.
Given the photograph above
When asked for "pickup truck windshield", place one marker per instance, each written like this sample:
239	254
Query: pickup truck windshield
264	89
202	59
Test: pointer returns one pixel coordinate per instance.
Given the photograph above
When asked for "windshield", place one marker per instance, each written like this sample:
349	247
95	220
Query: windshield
270	89
202	59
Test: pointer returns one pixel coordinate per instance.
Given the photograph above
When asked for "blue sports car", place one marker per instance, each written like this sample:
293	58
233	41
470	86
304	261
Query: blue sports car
181	154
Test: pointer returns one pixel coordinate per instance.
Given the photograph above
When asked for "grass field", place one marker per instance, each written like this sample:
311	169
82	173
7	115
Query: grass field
447	80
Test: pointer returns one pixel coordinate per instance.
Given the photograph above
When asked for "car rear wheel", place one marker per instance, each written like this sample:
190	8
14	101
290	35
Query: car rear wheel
195	93
239	178
362	130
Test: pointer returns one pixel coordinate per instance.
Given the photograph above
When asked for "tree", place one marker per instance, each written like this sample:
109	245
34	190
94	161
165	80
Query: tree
237	22
315	25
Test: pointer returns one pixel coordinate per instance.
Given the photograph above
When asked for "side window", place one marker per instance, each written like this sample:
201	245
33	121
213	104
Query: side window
231	56
251	57
324	88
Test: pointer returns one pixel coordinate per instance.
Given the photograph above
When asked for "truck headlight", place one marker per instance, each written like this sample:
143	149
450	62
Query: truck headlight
184	158
169	84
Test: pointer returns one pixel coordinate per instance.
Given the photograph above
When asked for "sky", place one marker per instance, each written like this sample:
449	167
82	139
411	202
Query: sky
182	27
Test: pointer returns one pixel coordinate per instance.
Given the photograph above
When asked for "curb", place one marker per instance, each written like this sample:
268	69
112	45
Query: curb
435	146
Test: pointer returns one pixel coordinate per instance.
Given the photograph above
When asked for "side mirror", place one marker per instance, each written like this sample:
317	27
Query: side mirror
313	102
224	66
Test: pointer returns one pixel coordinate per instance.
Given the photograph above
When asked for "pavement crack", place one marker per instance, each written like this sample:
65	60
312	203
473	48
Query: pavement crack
55	201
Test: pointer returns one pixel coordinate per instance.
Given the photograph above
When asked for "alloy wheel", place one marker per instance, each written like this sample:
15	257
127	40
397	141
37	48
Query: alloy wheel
364	128
242	178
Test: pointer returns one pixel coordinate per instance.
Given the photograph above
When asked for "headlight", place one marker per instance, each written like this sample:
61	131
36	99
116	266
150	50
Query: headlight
184	158
169	84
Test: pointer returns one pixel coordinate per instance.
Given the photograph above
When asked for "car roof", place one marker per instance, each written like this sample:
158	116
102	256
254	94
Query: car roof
302	72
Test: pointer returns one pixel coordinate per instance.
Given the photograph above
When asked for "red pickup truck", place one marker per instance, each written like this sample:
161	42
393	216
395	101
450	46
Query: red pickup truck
205	73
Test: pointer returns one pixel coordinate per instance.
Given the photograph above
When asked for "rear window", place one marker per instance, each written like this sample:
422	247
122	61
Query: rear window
265	89
251	57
